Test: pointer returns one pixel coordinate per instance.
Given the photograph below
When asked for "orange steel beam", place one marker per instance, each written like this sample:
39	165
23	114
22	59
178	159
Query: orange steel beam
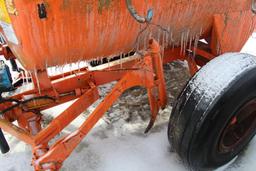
172	54
16	131
158	69
79	79
207	55
71	82
67	116
55	77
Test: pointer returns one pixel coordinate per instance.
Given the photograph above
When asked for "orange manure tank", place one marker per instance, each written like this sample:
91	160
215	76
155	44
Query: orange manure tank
44	33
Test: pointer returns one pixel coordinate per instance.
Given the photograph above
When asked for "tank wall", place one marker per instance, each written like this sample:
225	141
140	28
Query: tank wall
76	30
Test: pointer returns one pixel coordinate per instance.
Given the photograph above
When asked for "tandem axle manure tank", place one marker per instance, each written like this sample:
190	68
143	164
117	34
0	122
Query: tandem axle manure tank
55	32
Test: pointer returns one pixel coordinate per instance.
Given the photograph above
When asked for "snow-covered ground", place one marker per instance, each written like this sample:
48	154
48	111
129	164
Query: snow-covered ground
117	143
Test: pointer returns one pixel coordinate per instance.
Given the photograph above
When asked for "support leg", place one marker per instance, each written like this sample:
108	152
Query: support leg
159	72
153	101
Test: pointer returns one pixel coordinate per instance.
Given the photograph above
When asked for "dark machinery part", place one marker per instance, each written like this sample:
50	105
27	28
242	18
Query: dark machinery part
5	78
95	63
14	65
42	11
12	60
20	103
3	143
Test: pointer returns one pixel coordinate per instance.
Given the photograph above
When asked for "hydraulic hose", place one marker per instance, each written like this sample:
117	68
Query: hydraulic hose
18	103
136	16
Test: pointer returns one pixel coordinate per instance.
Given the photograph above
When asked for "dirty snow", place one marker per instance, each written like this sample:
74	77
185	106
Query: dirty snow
117	143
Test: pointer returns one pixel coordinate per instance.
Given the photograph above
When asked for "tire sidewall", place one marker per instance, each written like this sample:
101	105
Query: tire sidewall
205	142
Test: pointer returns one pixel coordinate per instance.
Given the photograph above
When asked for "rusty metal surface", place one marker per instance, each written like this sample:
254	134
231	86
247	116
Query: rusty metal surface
88	29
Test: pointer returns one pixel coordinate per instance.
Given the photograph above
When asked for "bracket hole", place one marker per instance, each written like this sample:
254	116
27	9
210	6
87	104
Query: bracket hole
42	13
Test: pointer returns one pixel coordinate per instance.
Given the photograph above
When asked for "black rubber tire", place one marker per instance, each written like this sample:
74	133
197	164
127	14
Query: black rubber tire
205	107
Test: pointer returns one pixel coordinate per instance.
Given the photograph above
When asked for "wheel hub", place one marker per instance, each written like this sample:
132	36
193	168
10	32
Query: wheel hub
239	127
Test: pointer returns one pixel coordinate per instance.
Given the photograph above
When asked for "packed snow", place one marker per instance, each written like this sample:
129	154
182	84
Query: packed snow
117	143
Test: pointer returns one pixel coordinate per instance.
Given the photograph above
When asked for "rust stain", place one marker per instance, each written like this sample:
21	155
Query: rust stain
103	4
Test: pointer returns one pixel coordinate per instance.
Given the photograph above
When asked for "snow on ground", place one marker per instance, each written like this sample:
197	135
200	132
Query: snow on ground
117	143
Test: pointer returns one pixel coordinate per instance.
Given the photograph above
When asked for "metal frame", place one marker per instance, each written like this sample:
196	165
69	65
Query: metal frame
147	72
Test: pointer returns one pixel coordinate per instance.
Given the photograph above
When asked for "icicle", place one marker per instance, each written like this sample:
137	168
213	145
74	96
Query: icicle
122	56
163	45
218	48
181	43
30	74
201	32
70	68
26	77
168	37
63	70
22	76
79	63
196	44
37	81
108	62
158	36
190	42
55	69
186	42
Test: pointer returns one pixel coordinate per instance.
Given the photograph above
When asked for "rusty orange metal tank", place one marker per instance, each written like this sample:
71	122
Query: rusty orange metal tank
55	32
